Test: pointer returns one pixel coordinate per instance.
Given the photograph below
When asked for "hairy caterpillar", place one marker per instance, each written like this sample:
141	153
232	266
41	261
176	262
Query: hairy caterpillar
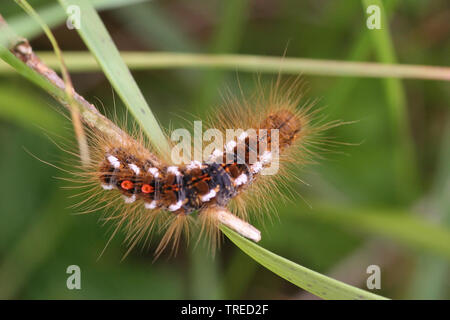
145	191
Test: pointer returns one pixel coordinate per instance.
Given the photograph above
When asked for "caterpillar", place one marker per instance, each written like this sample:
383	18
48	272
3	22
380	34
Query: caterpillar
145	191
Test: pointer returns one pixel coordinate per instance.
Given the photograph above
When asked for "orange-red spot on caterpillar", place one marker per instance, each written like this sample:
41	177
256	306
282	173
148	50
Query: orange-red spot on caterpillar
127	185
146	188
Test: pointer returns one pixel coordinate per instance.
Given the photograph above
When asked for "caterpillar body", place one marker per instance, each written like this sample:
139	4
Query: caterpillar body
143	189
184	189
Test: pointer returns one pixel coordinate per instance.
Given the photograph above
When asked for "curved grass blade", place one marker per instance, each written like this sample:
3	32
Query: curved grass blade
99	42
309	280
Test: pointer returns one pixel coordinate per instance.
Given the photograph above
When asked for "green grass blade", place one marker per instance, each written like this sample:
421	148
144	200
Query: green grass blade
309	280
99	42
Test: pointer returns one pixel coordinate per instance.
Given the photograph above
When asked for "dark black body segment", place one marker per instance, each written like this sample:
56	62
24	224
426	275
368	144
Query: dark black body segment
220	180
207	185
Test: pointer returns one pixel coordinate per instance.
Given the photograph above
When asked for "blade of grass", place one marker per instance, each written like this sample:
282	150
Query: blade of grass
99	42
224	40
84	62
311	281
21	107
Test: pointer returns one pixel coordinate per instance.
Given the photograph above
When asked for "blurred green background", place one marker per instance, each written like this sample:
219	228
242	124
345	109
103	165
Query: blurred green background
384	201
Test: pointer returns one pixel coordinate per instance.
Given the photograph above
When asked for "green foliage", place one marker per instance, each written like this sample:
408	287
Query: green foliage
377	191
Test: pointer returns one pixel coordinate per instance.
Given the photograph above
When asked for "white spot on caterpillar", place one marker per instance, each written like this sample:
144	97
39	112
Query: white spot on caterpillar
209	196
266	157
241	179
151	205
243	136
216	154
194	164
108	186
230	145
129	199
135	168
154	172
174	170
176	206
256	167
114	161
